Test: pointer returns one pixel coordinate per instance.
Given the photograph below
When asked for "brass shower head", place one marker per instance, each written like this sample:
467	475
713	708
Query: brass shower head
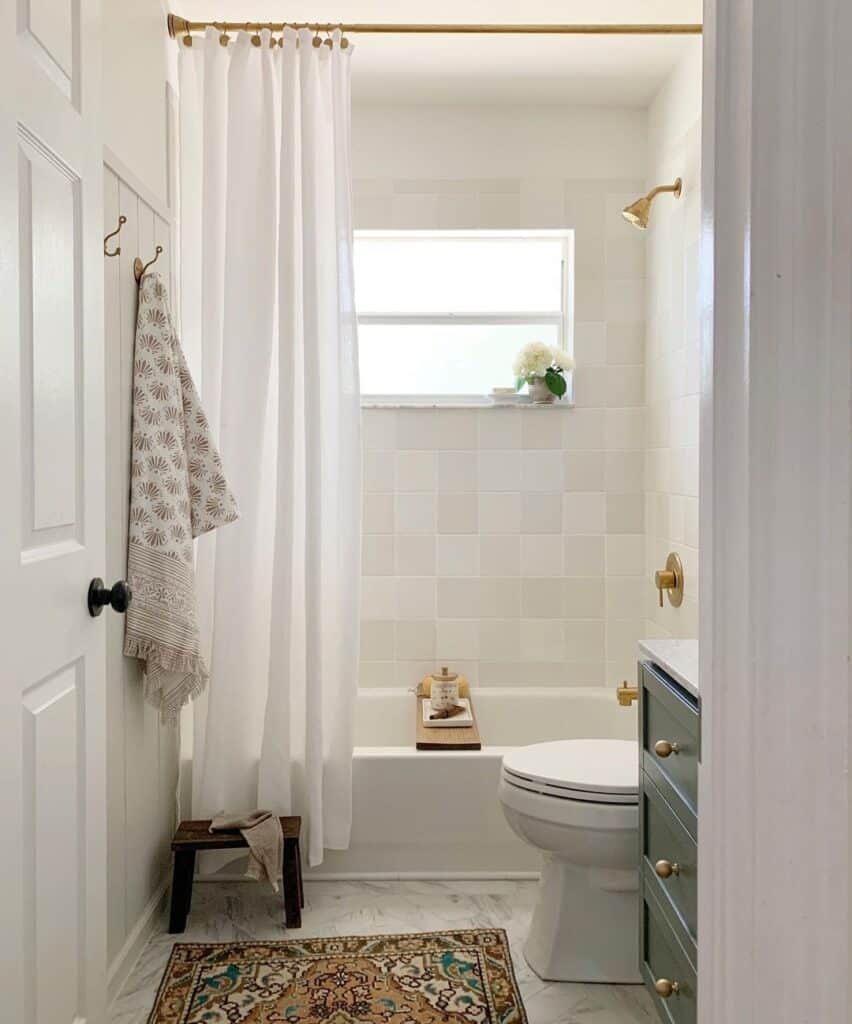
638	213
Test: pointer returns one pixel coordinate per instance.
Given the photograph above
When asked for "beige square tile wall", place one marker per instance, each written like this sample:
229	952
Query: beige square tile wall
509	543
519	545
672	363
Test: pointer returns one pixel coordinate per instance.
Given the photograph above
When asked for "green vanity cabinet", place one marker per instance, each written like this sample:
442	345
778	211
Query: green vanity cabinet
669	750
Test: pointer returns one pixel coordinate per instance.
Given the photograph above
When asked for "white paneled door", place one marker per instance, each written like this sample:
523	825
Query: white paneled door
52	802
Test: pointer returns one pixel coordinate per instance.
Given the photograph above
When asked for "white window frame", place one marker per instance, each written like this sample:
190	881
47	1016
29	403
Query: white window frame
563	319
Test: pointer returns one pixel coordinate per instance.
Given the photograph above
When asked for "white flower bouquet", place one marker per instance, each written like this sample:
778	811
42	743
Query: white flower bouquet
538	364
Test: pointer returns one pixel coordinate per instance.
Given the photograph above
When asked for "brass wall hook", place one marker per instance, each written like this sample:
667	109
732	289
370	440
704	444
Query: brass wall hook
139	267
122	220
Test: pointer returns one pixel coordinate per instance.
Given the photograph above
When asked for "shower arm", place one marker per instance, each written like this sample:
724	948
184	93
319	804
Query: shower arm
676	187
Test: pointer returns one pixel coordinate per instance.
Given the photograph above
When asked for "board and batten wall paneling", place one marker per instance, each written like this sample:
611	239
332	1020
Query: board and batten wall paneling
142	755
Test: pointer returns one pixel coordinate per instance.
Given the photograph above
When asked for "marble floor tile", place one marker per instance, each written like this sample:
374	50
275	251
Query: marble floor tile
237	911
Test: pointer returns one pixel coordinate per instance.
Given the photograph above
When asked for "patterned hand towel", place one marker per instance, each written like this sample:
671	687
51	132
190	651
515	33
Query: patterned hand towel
262	831
178	491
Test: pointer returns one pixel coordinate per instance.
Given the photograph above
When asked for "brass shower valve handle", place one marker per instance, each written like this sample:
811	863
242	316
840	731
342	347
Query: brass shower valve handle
670	580
664	580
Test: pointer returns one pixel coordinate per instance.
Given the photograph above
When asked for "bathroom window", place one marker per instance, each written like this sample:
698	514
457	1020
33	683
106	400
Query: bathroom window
441	314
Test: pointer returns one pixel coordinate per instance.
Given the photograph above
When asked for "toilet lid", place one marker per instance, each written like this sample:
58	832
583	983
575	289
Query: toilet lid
590	769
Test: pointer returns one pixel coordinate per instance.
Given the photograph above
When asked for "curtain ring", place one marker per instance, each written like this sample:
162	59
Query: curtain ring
224	38
187	40
255	39
317	42
344	42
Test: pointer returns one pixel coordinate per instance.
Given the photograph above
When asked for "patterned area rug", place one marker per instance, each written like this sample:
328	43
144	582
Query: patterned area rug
422	978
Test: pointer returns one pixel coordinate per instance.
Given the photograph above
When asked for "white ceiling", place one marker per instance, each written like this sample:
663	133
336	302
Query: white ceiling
593	70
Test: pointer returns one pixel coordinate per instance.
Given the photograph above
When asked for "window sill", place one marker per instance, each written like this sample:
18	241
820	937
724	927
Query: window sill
427	402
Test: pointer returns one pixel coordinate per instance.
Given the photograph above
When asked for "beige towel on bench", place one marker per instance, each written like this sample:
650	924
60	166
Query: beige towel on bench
262	831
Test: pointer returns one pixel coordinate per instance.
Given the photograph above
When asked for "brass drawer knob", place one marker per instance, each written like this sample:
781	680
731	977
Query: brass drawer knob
662	748
665	868
665	988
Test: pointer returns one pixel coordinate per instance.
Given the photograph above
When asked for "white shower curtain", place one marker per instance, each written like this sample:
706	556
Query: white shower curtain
267	302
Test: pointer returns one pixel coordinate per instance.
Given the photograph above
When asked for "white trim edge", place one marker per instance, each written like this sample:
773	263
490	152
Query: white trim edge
147	924
393	876
776	479
121	170
424	876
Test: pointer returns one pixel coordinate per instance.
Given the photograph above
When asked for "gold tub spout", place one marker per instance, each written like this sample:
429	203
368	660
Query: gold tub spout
627	694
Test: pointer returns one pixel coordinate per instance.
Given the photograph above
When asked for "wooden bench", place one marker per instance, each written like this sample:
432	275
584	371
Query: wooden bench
193	836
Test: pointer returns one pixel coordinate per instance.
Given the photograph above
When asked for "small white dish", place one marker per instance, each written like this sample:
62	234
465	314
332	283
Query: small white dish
458	722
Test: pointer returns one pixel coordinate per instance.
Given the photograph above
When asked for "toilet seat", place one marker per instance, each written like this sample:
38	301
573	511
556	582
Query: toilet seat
589	771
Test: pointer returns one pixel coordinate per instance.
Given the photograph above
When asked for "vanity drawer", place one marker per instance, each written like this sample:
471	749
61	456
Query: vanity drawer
670	736
665	960
665	841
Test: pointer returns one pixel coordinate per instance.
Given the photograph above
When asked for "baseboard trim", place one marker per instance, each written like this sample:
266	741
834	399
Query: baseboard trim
393	876
126	958
423	876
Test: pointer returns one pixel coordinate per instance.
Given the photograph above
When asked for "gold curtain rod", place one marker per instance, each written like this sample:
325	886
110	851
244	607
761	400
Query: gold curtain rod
182	26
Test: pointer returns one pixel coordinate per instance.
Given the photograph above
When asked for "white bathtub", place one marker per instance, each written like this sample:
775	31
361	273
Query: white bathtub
426	814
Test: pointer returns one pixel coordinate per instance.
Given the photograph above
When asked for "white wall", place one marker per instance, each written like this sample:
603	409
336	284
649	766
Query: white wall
672	378
136	57
141	754
510	543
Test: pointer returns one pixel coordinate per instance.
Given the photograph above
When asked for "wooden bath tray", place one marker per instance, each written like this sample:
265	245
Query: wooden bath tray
431	738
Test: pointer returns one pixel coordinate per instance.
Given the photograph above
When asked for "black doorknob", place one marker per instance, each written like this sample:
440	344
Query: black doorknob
117	597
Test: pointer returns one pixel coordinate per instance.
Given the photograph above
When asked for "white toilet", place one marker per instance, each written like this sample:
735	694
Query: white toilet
577	802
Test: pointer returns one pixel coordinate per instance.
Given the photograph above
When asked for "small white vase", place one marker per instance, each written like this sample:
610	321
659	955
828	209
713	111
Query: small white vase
540	393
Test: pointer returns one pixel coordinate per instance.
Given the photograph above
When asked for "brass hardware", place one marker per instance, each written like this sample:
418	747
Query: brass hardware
662	748
638	213
139	267
626	694
670	579
179	26
122	220
665	868
665	988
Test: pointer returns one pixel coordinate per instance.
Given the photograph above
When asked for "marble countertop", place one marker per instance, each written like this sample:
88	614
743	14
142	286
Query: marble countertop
677	657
